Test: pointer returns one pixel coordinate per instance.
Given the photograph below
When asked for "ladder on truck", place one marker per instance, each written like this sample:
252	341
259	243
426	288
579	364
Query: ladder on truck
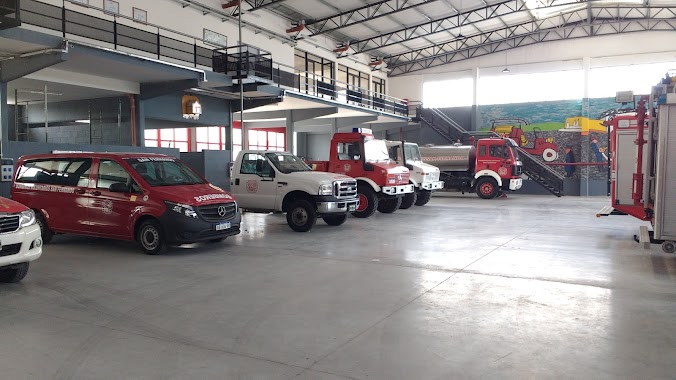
449	129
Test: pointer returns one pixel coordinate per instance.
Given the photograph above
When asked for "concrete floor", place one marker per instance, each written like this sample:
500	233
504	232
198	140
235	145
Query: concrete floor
523	287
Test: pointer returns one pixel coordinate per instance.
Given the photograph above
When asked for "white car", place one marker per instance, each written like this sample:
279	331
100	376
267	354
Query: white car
20	240
269	181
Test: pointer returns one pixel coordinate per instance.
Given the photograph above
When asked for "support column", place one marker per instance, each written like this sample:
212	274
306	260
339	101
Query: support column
476	115
585	141
4	118
245	134
290	130
140	121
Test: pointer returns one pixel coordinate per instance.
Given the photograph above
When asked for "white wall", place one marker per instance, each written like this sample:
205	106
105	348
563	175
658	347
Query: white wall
318	146
603	51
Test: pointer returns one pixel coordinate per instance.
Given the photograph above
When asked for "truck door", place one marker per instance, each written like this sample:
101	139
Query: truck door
349	159
110	213
255	185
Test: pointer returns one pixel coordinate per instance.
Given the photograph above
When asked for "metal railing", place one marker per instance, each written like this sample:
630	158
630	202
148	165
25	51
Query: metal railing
244	61
157	41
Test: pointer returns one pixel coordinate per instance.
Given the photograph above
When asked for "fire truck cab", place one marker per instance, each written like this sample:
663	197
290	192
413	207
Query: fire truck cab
381	182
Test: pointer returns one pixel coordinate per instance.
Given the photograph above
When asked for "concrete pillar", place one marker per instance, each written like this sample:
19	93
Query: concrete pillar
245	134
4	118
140	121
476	115
585	141
290	131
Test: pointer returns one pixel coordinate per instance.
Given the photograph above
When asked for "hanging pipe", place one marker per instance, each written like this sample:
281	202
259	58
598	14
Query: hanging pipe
132	105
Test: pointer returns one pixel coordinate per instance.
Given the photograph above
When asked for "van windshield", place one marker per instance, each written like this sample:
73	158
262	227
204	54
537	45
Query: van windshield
161	171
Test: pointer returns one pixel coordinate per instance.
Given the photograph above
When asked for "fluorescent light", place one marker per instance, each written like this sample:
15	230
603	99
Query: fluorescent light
83	121
506	70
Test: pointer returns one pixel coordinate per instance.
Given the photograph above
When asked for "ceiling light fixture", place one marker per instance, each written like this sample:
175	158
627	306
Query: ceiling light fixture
506	70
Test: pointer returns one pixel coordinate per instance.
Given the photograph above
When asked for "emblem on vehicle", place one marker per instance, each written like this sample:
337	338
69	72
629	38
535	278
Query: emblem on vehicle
347	167
221	211
399	177
502	171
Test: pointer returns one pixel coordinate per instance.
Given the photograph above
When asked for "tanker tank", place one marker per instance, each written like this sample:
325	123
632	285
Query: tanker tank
450	158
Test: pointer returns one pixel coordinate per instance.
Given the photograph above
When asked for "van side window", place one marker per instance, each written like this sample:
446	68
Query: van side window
111	172
66	172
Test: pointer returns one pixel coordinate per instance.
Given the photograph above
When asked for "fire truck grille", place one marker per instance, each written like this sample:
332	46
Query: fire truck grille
9	224
345	189
219	211
10	249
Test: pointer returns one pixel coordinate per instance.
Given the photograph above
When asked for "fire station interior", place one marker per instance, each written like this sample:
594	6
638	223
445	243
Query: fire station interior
535	137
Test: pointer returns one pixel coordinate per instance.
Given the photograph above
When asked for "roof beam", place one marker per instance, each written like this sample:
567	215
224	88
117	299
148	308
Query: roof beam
439	25
598	27
359	15
260	4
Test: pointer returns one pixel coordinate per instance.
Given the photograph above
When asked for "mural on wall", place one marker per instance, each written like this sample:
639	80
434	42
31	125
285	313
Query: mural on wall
557	132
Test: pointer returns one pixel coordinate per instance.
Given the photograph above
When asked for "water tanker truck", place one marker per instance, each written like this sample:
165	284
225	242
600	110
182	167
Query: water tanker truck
489	168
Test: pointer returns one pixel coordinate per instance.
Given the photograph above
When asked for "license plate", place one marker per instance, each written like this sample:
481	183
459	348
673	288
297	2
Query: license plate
351	207
222	226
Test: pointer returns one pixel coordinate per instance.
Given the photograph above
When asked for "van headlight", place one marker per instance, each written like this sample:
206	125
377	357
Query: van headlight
182	209
26	218
326	189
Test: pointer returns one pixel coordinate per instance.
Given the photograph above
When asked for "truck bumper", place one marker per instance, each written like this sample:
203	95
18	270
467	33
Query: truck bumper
21	246
432	185
397	190
337	207
515	184
183	230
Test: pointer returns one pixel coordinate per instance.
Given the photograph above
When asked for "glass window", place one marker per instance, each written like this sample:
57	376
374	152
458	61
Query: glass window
65	172
449	93
348	151
497	151
482	151
523	88
603	81
168	138
111	172
375	151
253	163
287	163
412	152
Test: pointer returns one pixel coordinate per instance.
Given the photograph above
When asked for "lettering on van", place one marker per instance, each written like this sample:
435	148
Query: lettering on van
157	159
50	188
209	197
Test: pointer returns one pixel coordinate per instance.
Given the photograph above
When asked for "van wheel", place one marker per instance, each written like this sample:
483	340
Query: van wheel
423	197
15	273
150	237
388	206
409	200
335	220
301	216
368	201
487	188
46	233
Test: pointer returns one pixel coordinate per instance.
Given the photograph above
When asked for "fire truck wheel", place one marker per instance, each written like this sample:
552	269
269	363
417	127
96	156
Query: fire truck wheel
335	220
47	234
669	246
14	274
150	237
368	201
301	215
423	197
388	206
487	188
409	200
549	155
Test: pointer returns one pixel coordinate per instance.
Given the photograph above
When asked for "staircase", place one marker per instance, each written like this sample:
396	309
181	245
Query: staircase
450	130
542	174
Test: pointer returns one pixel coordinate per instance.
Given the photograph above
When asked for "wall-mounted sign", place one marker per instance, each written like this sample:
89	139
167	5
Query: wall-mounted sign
139	15
111	6
192	108
212	38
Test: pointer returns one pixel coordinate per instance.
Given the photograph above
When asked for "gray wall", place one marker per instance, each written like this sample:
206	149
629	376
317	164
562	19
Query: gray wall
215	111
318	146
214	165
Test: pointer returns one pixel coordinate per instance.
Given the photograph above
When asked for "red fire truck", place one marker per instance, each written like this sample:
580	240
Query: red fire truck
381	182
488	169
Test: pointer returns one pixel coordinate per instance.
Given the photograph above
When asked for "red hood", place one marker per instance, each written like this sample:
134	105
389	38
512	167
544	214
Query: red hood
9	206
400	173
193	195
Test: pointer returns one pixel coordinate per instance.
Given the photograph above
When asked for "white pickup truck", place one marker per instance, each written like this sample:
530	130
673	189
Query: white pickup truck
269	181
20	240
424	177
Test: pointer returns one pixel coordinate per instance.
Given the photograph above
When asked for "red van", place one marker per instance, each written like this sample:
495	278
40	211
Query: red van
154	199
